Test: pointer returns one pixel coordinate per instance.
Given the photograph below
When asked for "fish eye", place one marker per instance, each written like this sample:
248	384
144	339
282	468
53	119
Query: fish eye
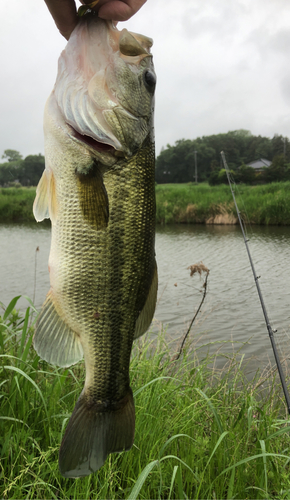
150	80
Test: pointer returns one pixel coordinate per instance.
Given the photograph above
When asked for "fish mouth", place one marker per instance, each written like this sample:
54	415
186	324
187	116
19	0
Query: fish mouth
101	147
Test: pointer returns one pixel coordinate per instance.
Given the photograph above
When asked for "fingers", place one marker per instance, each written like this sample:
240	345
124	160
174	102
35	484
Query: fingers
64	14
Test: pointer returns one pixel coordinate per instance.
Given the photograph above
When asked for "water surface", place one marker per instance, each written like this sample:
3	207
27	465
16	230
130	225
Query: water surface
231	313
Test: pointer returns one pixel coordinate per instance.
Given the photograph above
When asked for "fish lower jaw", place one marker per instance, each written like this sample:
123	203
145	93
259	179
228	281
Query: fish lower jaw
99	147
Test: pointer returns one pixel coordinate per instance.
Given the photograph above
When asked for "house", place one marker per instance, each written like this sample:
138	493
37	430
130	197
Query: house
259	164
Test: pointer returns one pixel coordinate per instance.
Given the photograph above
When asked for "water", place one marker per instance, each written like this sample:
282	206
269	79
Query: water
231	314
232	310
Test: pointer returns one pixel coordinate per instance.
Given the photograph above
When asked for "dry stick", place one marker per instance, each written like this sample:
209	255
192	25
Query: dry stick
256	278
35	267
177	356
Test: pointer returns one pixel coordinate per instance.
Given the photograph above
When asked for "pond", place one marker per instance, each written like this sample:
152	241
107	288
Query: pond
231	315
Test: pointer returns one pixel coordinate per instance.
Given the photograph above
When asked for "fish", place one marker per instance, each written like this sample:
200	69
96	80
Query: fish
98	189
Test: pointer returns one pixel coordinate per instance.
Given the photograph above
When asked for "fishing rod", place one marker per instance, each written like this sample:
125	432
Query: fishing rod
269	327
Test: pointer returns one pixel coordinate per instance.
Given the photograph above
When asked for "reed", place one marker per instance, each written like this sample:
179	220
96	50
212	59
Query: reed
199	433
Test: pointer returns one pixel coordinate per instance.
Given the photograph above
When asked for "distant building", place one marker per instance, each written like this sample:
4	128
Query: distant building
259	164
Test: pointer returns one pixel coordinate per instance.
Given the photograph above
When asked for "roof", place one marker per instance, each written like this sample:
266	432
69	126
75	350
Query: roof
260	163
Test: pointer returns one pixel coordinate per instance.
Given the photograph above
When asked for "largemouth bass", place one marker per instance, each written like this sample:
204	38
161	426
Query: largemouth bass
98	190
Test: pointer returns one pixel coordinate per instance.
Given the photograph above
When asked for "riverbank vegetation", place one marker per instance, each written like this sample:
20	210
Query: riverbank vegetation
176	163
16	204
199	433
190	203
16	171
185	203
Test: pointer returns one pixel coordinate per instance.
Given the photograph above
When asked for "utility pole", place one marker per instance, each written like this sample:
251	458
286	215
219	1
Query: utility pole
195	161
284	139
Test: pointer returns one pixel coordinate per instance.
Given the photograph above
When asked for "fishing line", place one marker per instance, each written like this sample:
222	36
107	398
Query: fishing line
256	278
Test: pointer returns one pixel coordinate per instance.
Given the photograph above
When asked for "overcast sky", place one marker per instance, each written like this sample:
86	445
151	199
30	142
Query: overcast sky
221	65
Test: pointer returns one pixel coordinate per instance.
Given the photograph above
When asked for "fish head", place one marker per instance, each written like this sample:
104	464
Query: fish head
105	88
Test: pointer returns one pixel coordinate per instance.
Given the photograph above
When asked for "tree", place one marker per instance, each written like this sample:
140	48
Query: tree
12	155
31	170
278	171
177	163
27	172
8	174
246	174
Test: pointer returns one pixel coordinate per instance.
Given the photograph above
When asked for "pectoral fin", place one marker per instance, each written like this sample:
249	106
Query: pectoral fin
45	205
93	198
145	317
54	341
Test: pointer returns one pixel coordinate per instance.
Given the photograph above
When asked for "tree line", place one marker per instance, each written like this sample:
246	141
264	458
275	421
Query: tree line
16	171
176	164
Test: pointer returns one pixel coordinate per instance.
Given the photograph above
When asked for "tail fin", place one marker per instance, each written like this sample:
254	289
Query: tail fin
92	434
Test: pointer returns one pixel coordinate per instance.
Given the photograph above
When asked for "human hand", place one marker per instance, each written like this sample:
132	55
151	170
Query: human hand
64	12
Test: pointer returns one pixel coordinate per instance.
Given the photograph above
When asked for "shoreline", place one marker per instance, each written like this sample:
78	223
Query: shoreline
267	204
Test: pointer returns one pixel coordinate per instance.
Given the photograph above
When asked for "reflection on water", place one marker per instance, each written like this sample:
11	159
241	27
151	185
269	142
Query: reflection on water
232	309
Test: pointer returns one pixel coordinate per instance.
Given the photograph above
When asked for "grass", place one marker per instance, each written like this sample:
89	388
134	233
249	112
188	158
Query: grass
190	203
199	433
185	203
16	204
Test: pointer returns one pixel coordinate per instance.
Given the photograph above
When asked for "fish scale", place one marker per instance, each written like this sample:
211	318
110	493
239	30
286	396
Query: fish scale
101	201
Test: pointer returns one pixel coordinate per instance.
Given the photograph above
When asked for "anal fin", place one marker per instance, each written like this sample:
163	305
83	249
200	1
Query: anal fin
54	341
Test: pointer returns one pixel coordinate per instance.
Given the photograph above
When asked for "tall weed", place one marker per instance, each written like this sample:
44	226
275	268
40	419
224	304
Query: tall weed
199	433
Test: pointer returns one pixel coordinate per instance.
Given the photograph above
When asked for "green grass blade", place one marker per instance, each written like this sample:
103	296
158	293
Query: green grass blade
249	459
21	372
263	448
31	303
208	462
14	420
211	406
183	463
216	446
24	332
26	350
179	484
42	483
141	479
172	480
278	433
172	439
231	484
10	307
149	383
